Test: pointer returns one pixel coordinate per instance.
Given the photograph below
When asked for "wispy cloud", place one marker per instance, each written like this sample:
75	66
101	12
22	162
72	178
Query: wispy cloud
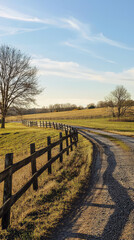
75	71
86	33
14	30
14	15
91	53
102	39
70	23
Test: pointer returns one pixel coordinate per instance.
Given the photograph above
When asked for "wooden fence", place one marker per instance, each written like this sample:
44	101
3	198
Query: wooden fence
47	124
70	138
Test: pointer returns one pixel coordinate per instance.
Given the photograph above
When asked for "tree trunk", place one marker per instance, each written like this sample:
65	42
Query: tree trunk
3	122
119	111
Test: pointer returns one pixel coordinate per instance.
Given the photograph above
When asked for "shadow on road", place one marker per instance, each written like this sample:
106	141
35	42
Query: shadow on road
123	205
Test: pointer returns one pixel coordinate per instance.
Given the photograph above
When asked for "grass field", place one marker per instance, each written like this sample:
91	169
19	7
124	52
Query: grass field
17	138
35	214
75	114
99	118
107	124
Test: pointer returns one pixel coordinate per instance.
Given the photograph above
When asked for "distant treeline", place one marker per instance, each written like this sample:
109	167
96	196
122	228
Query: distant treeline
61	107
51	108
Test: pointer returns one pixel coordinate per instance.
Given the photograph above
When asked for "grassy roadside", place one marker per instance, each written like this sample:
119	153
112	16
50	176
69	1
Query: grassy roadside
43	209
106	124
118	142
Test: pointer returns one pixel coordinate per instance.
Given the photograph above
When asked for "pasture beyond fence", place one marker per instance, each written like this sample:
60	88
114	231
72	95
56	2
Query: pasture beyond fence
70	138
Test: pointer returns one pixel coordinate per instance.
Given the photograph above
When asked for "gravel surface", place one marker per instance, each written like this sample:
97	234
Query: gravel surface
107	211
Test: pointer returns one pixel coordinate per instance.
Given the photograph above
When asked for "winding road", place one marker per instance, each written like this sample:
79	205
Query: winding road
107	211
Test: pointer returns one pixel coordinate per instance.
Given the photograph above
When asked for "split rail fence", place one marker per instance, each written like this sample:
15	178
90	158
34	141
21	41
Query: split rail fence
70	138
47	124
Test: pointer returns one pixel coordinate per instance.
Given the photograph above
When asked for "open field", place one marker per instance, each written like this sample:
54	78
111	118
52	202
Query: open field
35	214
74	114
95	118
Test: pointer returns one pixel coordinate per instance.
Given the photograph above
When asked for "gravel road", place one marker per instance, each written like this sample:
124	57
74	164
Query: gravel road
107	211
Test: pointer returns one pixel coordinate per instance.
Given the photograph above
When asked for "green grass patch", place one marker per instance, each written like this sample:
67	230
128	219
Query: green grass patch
38	213
118	142
107	124
16	138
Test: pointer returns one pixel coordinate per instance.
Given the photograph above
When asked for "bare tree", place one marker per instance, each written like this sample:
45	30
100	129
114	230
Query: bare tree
18	82
119	98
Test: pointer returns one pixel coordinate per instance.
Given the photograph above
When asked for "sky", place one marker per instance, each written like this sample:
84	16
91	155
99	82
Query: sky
83	49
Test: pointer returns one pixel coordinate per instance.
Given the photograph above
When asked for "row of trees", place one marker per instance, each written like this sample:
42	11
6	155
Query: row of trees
51	108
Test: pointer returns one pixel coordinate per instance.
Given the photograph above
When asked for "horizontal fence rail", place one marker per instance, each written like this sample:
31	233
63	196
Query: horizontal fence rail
47	124
70	138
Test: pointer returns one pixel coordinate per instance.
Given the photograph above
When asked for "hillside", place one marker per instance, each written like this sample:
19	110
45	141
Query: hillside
74	114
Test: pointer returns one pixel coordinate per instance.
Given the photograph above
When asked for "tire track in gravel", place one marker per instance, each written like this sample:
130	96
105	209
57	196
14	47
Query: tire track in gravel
107	211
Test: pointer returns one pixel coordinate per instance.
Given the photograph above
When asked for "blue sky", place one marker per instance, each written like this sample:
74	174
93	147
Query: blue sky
82	48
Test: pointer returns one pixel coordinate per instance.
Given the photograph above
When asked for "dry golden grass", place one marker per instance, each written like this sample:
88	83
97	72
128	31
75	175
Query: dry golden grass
85	113
75	114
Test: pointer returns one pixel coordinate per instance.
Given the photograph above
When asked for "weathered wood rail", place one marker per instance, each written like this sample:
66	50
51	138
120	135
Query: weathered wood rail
70	138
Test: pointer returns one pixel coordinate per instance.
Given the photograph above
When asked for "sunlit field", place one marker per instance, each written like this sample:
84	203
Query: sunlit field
36	213
100	118
74	114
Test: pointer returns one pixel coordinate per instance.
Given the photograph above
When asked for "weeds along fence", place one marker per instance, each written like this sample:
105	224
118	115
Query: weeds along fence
70	139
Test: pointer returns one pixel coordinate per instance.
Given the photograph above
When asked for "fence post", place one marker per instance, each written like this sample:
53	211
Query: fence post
43	124
71	140
61	147
66	132
49	154
40	123
75	137
33	166
7	190
46	124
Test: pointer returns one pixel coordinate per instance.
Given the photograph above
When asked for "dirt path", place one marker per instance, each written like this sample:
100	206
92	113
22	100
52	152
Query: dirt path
107	212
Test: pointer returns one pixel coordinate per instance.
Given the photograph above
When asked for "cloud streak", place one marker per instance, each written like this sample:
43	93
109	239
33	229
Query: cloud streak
14	15
14	30
86	33
75	71
91	53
